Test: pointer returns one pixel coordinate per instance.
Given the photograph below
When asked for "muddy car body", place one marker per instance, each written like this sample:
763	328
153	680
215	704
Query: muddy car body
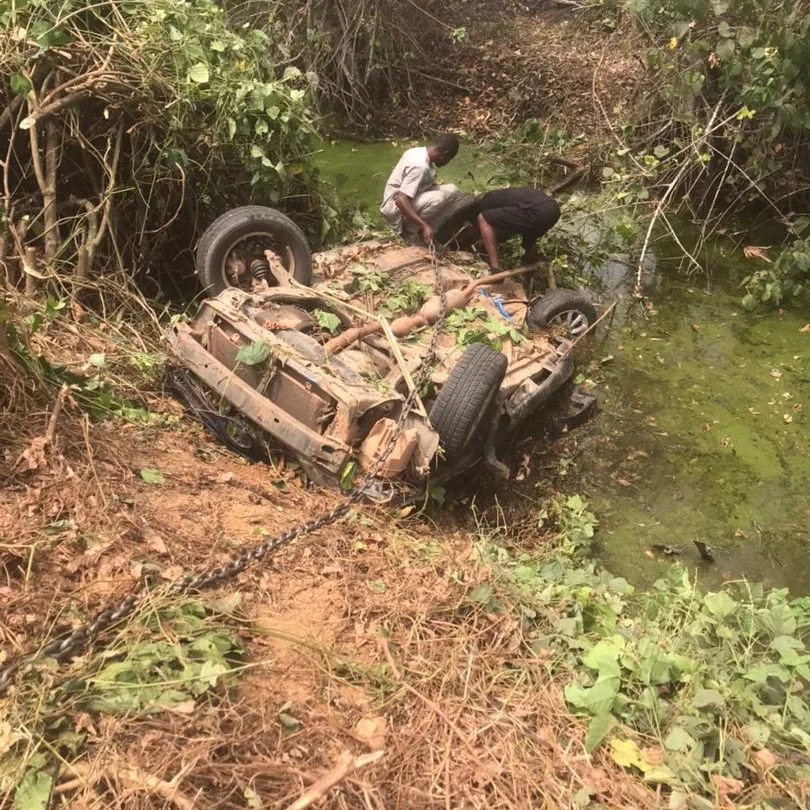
287	359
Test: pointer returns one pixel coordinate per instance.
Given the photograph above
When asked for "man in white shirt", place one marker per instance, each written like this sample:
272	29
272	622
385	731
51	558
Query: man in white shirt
413	204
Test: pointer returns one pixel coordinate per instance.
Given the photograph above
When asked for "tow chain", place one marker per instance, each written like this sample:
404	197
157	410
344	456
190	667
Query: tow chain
62	649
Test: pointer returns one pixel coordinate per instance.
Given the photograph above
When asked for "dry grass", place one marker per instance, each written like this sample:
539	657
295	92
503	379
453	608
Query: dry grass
364	634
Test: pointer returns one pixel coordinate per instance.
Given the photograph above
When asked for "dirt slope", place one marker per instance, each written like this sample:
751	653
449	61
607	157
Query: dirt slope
359	639
517	61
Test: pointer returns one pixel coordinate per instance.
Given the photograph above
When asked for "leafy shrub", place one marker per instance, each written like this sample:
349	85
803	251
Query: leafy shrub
130	123
710	678
785	282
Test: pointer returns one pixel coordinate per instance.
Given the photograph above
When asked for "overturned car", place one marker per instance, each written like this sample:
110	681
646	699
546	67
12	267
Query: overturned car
320	353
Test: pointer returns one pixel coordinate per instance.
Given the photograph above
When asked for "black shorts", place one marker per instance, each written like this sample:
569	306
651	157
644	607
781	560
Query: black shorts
518	211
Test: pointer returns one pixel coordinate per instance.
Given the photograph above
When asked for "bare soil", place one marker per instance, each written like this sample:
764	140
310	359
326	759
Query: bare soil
363	633
518	61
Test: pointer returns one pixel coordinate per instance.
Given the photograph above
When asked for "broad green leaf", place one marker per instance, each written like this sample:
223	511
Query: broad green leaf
199	73
787	647
598	729
708	699
152	476
34	791
326	320
597	699
777	620
761	673
253	354
725	49
604	656
720	604
217	45
98	360
20	84
678	739
757	733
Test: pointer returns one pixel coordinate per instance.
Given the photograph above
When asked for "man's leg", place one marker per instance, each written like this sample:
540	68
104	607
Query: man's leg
432	205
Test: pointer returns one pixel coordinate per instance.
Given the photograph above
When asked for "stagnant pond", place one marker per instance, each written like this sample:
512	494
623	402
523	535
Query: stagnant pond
702	433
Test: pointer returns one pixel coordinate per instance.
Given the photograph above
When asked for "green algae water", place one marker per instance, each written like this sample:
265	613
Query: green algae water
703	436
703	425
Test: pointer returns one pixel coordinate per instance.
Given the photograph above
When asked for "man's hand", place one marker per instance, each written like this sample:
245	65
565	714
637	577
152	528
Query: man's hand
426	232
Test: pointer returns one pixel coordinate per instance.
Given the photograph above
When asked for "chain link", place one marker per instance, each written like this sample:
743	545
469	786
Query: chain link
62	649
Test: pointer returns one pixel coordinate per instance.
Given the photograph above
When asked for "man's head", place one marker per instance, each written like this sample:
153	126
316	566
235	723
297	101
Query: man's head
443	149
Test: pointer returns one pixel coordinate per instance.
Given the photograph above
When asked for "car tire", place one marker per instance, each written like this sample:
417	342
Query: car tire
570	309
225	233
465	398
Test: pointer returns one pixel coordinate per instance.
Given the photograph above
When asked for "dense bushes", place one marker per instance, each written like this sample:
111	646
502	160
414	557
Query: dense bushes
730	95
127	123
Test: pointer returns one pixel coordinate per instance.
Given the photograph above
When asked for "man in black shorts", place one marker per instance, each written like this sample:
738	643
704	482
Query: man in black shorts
507	212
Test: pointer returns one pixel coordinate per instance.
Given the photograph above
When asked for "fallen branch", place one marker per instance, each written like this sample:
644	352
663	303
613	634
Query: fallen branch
427	315
347	764
34	454
134	778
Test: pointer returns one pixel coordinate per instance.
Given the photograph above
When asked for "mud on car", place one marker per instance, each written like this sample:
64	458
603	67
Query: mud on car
318	353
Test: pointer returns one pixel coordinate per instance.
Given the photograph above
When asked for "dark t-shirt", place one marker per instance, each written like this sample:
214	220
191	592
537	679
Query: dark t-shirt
512	211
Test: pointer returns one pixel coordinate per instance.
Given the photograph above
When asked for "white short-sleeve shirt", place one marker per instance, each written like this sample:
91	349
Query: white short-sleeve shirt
413	174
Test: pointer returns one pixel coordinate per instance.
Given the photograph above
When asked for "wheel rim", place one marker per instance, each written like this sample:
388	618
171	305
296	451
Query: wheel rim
574	321
236	269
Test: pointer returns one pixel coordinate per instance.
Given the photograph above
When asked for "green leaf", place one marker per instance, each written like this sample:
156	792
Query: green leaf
34	791
678	739
152	476
777	620
253	354
708	699
199	73
720	604
598	729
597	699
327	320
217	45
20	84
725	49
787	647
604	656
98	360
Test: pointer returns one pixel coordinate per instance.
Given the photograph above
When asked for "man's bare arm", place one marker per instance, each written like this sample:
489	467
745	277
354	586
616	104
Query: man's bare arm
403	202
490	240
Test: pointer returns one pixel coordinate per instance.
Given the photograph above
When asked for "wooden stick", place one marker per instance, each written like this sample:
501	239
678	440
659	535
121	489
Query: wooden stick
347	763
132	777
427	314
